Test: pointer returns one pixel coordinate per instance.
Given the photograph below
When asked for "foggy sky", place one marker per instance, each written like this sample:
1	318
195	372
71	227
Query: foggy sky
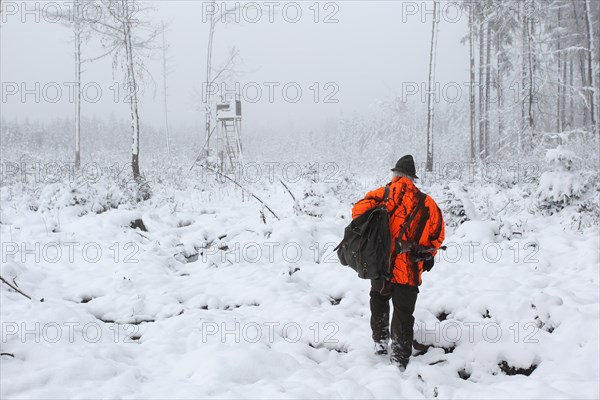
373	48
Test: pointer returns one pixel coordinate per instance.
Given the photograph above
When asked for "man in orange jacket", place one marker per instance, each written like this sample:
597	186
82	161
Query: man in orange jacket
417	229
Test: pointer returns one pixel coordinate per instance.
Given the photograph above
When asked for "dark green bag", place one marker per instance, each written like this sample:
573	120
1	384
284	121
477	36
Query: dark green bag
367	243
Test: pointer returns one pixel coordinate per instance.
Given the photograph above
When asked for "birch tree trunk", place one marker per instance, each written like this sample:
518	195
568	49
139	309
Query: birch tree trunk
563	103
77	30
571	97
430	105
591	66
582	64
481	38
527	79
208	113
164	66
560	83
499	72
132	92
522	91
472	110
486	103
531	94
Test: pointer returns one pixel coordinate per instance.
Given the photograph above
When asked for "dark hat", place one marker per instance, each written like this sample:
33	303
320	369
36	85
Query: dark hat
406	165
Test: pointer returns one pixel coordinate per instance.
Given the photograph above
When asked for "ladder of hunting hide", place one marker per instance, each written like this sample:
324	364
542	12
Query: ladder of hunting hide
229	116
232	143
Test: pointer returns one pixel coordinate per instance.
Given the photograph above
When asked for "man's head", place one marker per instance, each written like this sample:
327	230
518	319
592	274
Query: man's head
405	167
403	175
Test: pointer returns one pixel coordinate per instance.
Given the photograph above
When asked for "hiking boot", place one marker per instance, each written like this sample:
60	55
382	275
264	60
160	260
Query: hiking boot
401	364
401	352
381	348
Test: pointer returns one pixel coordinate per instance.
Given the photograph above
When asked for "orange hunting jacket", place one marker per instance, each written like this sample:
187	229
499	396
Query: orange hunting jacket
403	199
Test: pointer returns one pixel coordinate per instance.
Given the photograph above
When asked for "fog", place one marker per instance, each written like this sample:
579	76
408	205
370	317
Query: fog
366	51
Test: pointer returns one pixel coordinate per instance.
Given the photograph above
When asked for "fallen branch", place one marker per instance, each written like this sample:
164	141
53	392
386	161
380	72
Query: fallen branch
291	194
243	188
288	189
144	236
14	287
507	204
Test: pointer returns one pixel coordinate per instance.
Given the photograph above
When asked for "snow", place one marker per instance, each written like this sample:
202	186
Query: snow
478	231
212	302
559	186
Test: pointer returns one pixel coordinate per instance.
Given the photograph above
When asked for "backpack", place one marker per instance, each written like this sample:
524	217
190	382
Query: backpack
367	243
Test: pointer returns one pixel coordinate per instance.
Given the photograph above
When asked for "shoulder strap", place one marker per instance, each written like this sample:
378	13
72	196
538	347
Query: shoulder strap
438	228
412	215
386	193
398	200
422	222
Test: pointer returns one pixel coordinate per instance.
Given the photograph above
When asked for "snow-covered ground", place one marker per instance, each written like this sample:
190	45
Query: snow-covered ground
217	298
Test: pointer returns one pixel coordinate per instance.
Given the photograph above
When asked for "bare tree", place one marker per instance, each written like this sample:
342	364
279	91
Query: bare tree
530	98
482	96
472	110
527	74
430	99
127	37
164	76
215	75
592	66
74	18
571	97
488	81
582	61
549	48
499	28
560	97
207	100
77	30
212	75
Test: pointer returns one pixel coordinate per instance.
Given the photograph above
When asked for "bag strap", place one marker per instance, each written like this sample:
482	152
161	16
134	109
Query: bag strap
422	222
386	196
399	201
436	234
386	193
412	215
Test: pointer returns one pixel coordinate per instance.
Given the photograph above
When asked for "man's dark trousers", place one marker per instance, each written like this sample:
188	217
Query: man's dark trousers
403	298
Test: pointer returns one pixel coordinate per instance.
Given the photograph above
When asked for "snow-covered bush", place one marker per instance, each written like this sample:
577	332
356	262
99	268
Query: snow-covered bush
322	187
88	197
452	207
561	185
311	202
587	213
